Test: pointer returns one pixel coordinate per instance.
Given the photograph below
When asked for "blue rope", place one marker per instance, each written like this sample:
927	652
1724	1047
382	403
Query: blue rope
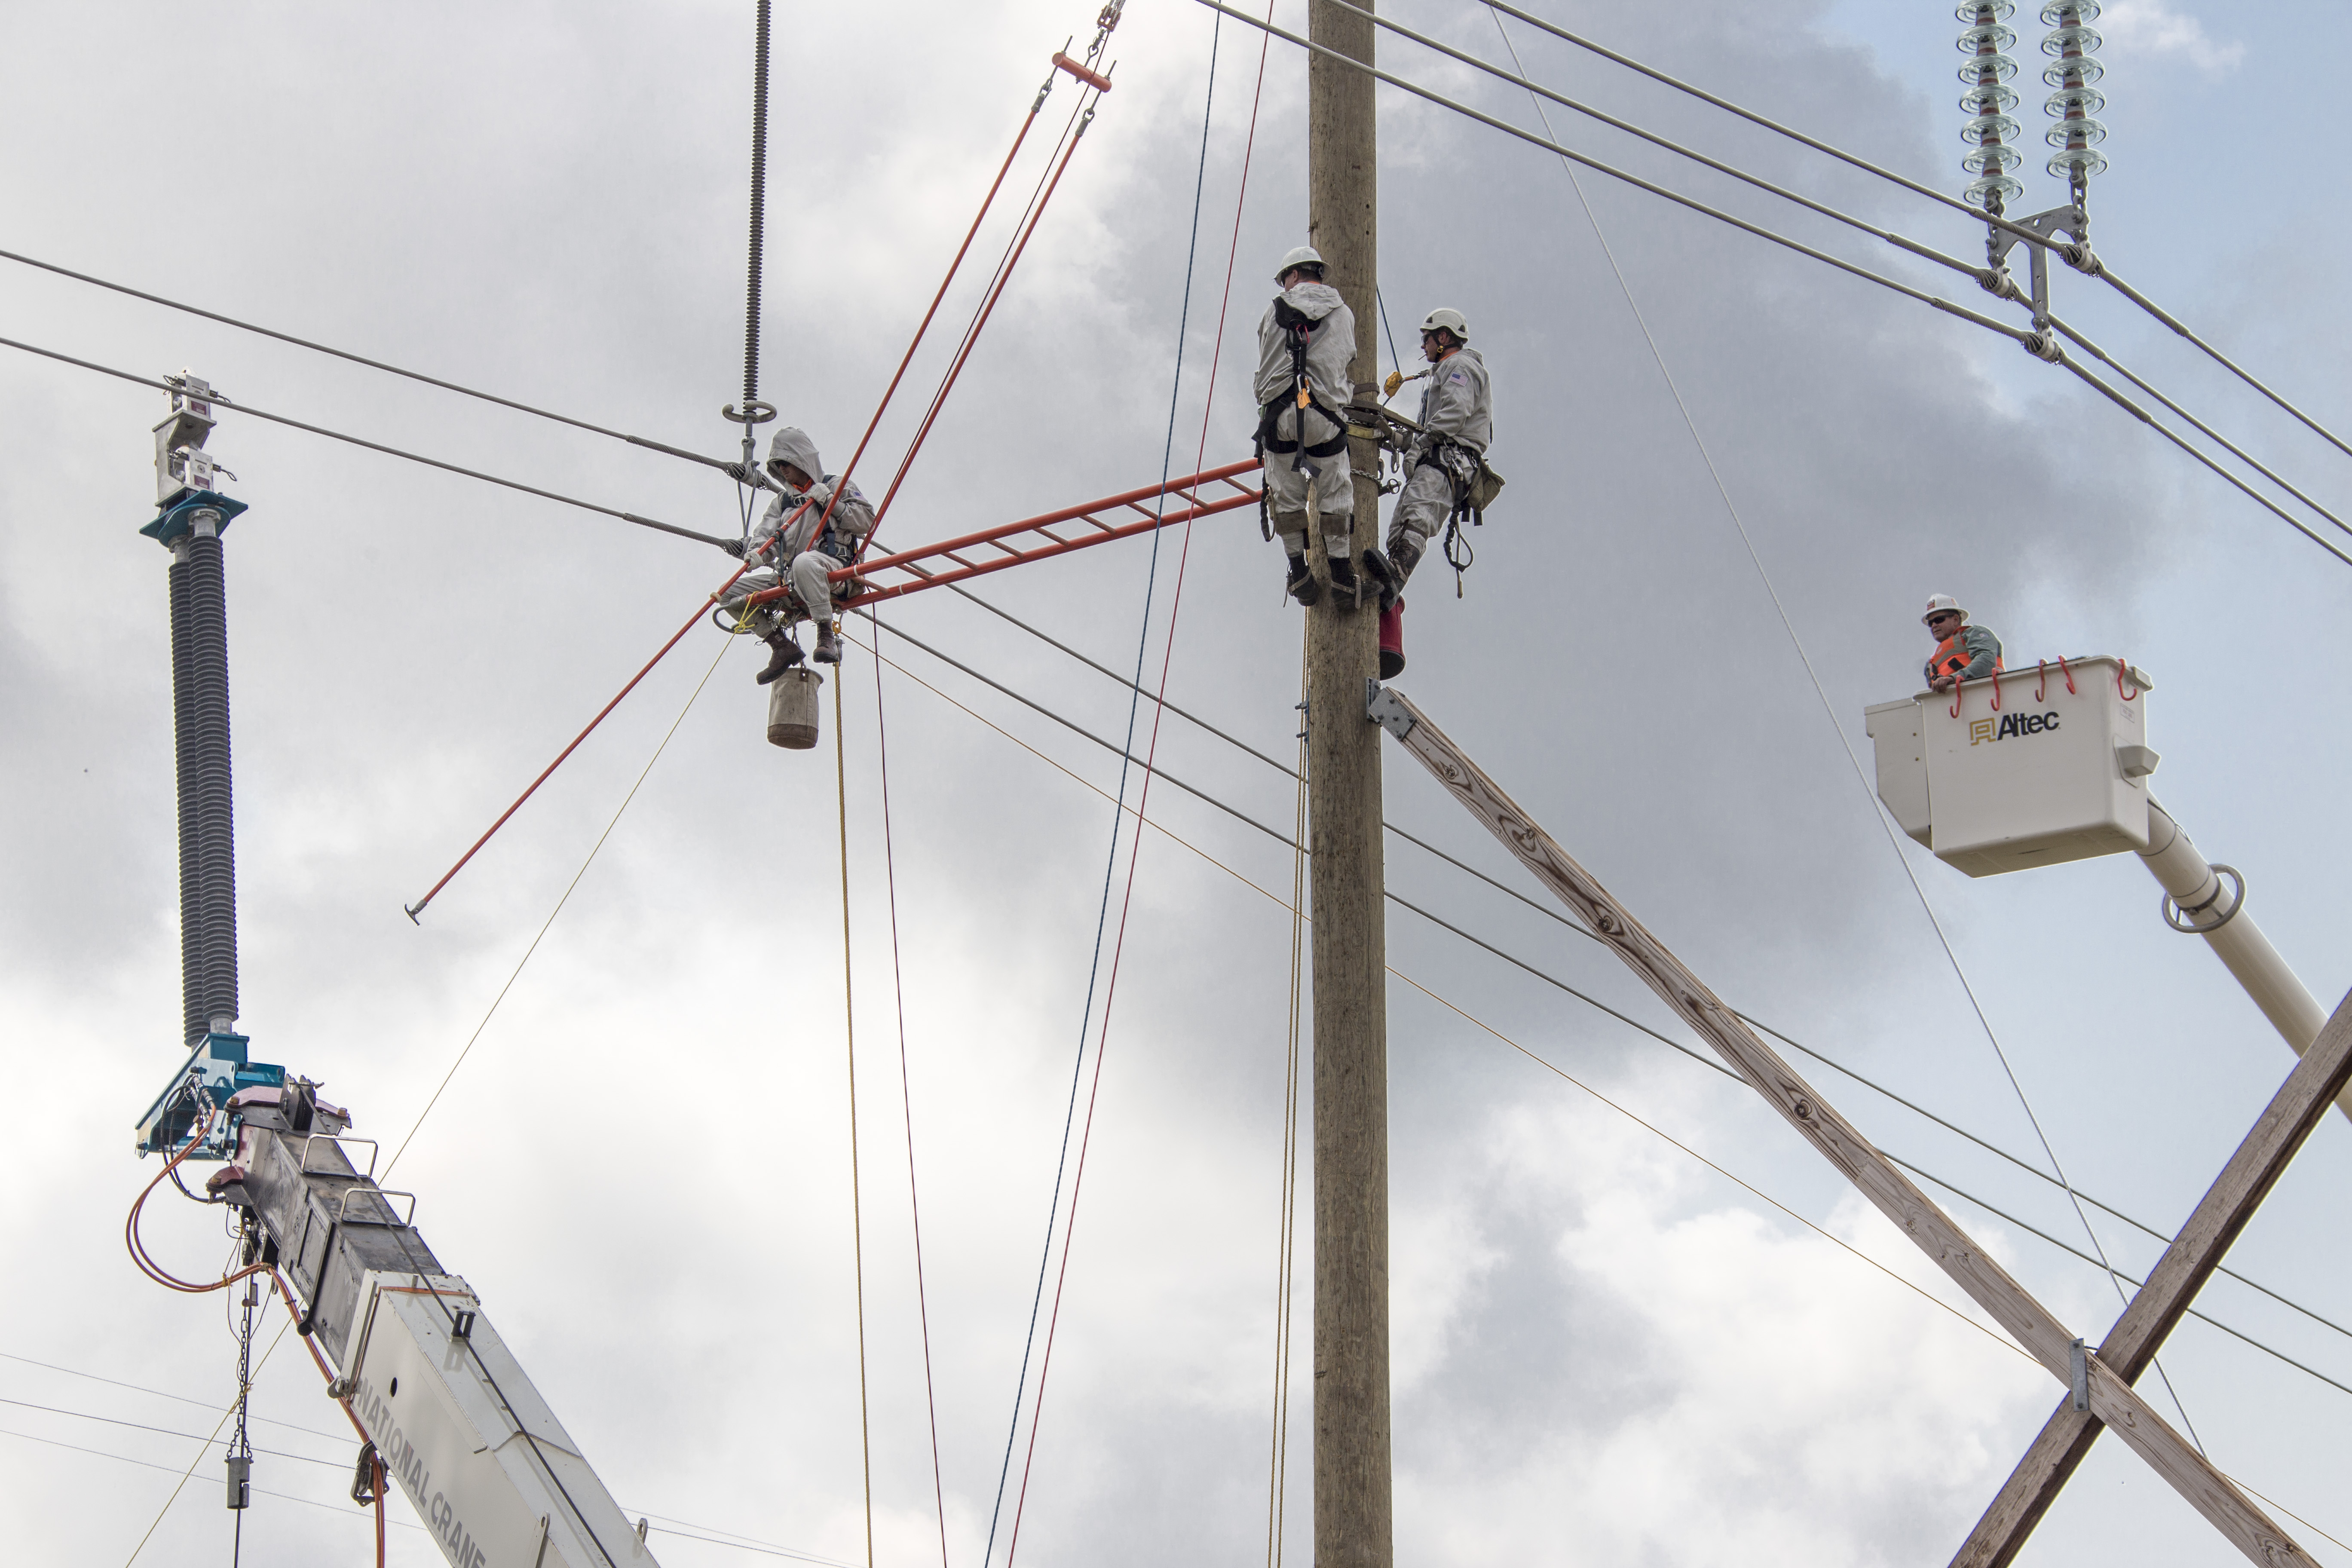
1134	703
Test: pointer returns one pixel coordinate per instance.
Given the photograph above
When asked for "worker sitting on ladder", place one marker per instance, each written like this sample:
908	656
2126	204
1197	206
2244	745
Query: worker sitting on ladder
1307	349
1963	652
789	533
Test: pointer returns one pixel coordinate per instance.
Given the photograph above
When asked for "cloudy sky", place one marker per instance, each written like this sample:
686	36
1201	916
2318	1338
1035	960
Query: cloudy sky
1605	1350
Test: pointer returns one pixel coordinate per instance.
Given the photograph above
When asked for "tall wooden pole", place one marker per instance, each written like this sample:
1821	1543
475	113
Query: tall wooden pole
1352	1525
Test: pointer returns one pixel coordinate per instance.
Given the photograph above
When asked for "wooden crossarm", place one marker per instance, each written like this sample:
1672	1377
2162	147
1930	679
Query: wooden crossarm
2066	1437
2033	1327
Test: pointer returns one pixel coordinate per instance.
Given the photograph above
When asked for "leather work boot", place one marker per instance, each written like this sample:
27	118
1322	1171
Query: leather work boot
828	646
786	654
1346	588
1301	585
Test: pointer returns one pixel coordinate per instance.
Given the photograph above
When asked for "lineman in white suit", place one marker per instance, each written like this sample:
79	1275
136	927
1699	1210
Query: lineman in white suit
1457	424
789	532
1306	351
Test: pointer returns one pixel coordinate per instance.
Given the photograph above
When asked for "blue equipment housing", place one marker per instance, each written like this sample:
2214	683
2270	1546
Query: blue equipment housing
215	1071
176	518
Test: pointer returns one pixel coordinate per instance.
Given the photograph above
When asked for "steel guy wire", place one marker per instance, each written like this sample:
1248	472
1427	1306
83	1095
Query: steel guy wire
1829	711
720	463
1703	1060
344	1509
372	446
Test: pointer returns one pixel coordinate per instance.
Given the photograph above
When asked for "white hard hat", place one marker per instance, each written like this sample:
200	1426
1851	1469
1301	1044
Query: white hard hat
1938	604
1450	319
1304	255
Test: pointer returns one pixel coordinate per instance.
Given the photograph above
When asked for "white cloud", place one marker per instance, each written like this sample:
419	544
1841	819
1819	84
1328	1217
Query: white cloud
2151	26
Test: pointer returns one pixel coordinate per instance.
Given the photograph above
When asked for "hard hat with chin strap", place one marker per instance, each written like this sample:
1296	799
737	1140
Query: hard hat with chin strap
1447	320
1942	603
1304	255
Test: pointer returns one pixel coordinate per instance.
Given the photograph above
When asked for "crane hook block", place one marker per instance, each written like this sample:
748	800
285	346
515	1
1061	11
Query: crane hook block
1095	80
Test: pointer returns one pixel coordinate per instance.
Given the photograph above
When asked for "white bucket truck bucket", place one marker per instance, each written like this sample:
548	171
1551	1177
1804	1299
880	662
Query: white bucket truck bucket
2031	767
792	709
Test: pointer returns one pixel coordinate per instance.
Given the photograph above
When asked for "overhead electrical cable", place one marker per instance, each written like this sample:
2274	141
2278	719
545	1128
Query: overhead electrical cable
1111	860
1704	1060
249	409
1789	625
342	1510
2095	351
2068	362
1549	912
718	463
160	1394
907	1102
1967	269
2075	255
1151	757
2041	346
2145	303
849	1023
2015	334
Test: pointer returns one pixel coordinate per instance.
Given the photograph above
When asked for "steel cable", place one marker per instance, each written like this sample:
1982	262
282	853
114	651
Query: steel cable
418	376
248	409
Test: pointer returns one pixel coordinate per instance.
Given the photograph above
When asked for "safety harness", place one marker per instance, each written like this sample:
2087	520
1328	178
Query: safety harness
1299	329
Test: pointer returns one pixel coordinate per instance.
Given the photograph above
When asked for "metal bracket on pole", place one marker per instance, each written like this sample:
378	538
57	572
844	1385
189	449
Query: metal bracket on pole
2079	1362
1384	707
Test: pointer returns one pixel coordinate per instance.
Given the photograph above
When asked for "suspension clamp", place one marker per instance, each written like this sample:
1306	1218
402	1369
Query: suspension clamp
1997	282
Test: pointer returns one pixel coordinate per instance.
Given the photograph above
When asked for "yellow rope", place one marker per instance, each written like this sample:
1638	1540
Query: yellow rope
849	1018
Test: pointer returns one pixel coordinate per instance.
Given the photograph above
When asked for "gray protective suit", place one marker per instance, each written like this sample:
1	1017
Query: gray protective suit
785	533
1458	423
1330	358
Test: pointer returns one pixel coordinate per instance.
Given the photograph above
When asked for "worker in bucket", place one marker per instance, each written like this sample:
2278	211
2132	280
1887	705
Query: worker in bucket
1442	465
808	533
1963	652
1307	351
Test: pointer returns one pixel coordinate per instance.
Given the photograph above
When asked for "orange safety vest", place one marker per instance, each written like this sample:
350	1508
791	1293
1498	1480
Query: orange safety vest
1952	657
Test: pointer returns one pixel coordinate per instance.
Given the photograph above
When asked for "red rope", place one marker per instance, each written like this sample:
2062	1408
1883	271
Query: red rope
892	390
413	910
972	336
1127	898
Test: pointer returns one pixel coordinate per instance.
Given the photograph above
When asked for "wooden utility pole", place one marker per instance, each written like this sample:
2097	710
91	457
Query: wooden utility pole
1352	1526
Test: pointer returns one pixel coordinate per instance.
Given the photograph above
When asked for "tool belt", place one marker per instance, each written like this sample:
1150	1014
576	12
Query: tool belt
1475	485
